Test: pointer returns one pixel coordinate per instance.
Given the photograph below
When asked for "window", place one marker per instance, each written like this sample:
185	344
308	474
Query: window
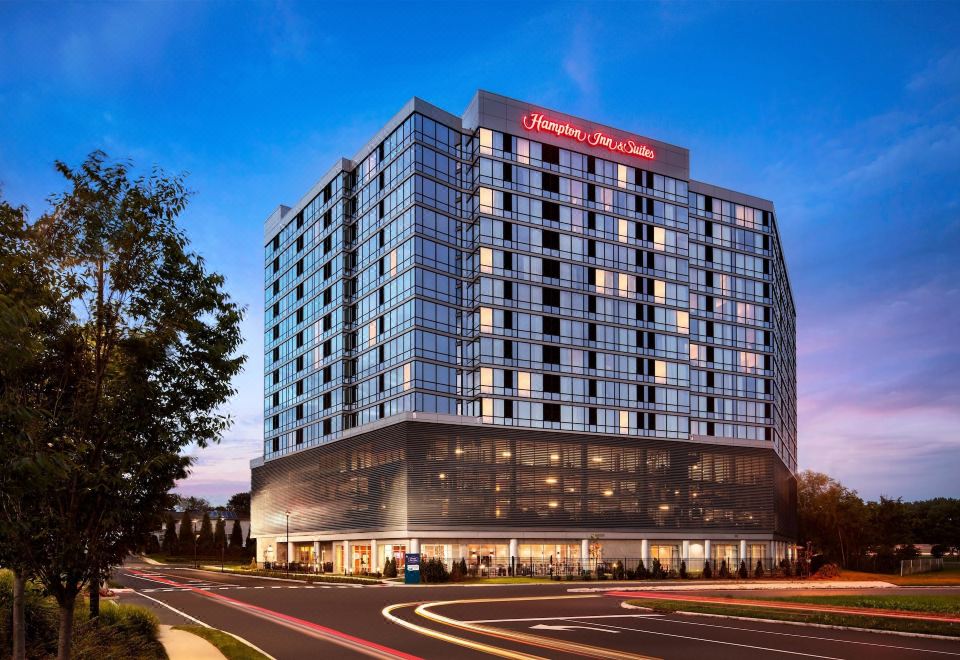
551	412
551	354
551	297
551	268
551	211
551	383
551	325
551	240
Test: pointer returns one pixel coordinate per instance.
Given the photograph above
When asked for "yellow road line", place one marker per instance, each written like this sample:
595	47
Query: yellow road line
525	638
452	639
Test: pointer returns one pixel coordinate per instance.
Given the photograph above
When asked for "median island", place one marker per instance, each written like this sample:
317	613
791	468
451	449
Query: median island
928	615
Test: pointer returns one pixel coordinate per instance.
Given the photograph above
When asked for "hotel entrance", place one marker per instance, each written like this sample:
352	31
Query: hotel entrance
361	559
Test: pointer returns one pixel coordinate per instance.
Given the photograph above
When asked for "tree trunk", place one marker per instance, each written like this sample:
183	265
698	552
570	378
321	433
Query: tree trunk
19	630
94	599
65	640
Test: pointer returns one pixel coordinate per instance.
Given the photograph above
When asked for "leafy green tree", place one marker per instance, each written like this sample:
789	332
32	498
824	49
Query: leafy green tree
832	518
191	503
170	540
141	368
32	317
239	505
236	539
205	541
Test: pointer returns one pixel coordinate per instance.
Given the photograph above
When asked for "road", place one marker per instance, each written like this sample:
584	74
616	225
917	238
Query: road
294	620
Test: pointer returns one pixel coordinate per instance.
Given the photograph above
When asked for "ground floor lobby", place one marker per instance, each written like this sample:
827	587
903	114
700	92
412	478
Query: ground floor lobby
502	556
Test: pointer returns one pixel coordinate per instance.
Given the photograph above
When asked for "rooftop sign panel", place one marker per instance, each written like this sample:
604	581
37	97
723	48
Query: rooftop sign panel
540	123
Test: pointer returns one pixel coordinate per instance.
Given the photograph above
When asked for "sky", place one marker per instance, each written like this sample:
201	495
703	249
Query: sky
846	115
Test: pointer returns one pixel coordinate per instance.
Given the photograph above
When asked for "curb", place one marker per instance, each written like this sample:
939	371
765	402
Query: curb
746	586
300	581
899	633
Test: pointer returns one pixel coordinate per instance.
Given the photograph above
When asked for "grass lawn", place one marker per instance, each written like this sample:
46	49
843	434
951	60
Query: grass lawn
950	575
934	604
830	619
228	645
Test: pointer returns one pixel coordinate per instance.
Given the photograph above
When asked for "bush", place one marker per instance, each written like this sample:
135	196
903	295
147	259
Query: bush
121	631
742	572
707	570
656	570
724	571
642	572
434	570
683	570
390	568
758	570
785	567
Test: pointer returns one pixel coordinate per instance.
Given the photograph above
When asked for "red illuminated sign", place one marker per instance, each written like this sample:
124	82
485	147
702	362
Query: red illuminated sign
538	122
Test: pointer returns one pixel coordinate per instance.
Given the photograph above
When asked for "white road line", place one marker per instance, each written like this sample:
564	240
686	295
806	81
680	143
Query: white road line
565	618
714	641
206	625
825	639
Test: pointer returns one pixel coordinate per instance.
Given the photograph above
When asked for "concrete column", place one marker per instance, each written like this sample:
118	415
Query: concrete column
290	556
347	563
645	551
414	546
585	552
743	552
685	551
317	559
374	561
772	550
512	555
706	550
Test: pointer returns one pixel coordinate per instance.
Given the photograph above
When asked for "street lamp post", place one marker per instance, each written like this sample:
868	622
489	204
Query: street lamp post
288	543
196	542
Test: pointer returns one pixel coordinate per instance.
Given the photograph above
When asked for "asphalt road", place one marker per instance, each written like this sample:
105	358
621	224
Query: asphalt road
294	620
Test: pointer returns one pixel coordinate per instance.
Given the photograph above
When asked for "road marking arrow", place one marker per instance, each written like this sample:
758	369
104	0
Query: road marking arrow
546	627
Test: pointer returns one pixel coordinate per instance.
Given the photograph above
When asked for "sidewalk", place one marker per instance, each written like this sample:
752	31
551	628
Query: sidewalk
181	645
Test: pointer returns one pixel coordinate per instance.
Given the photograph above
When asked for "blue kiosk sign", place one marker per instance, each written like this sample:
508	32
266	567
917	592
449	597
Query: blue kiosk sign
411	570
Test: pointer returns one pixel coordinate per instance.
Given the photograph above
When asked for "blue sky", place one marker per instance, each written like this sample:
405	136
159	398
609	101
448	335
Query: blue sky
846	115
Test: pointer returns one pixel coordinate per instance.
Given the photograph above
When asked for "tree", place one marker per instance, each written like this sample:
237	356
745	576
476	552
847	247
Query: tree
140	367
32	317
191	503
239	505
170	540
832	518
188	535
220	536
236	539
205	542
707	570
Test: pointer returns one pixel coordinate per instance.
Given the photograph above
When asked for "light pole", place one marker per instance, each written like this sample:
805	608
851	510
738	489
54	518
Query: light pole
287	553
196	542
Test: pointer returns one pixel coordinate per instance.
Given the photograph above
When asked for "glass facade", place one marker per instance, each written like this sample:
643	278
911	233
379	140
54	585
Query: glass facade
470	268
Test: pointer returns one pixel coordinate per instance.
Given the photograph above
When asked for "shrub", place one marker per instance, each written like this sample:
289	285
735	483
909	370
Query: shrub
390	568
434	570
785	567
758	570
742	571
683	570
463	567
724	571
642	572
656	570
707	570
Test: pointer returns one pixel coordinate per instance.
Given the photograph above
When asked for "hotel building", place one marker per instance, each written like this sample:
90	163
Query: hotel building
520	334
